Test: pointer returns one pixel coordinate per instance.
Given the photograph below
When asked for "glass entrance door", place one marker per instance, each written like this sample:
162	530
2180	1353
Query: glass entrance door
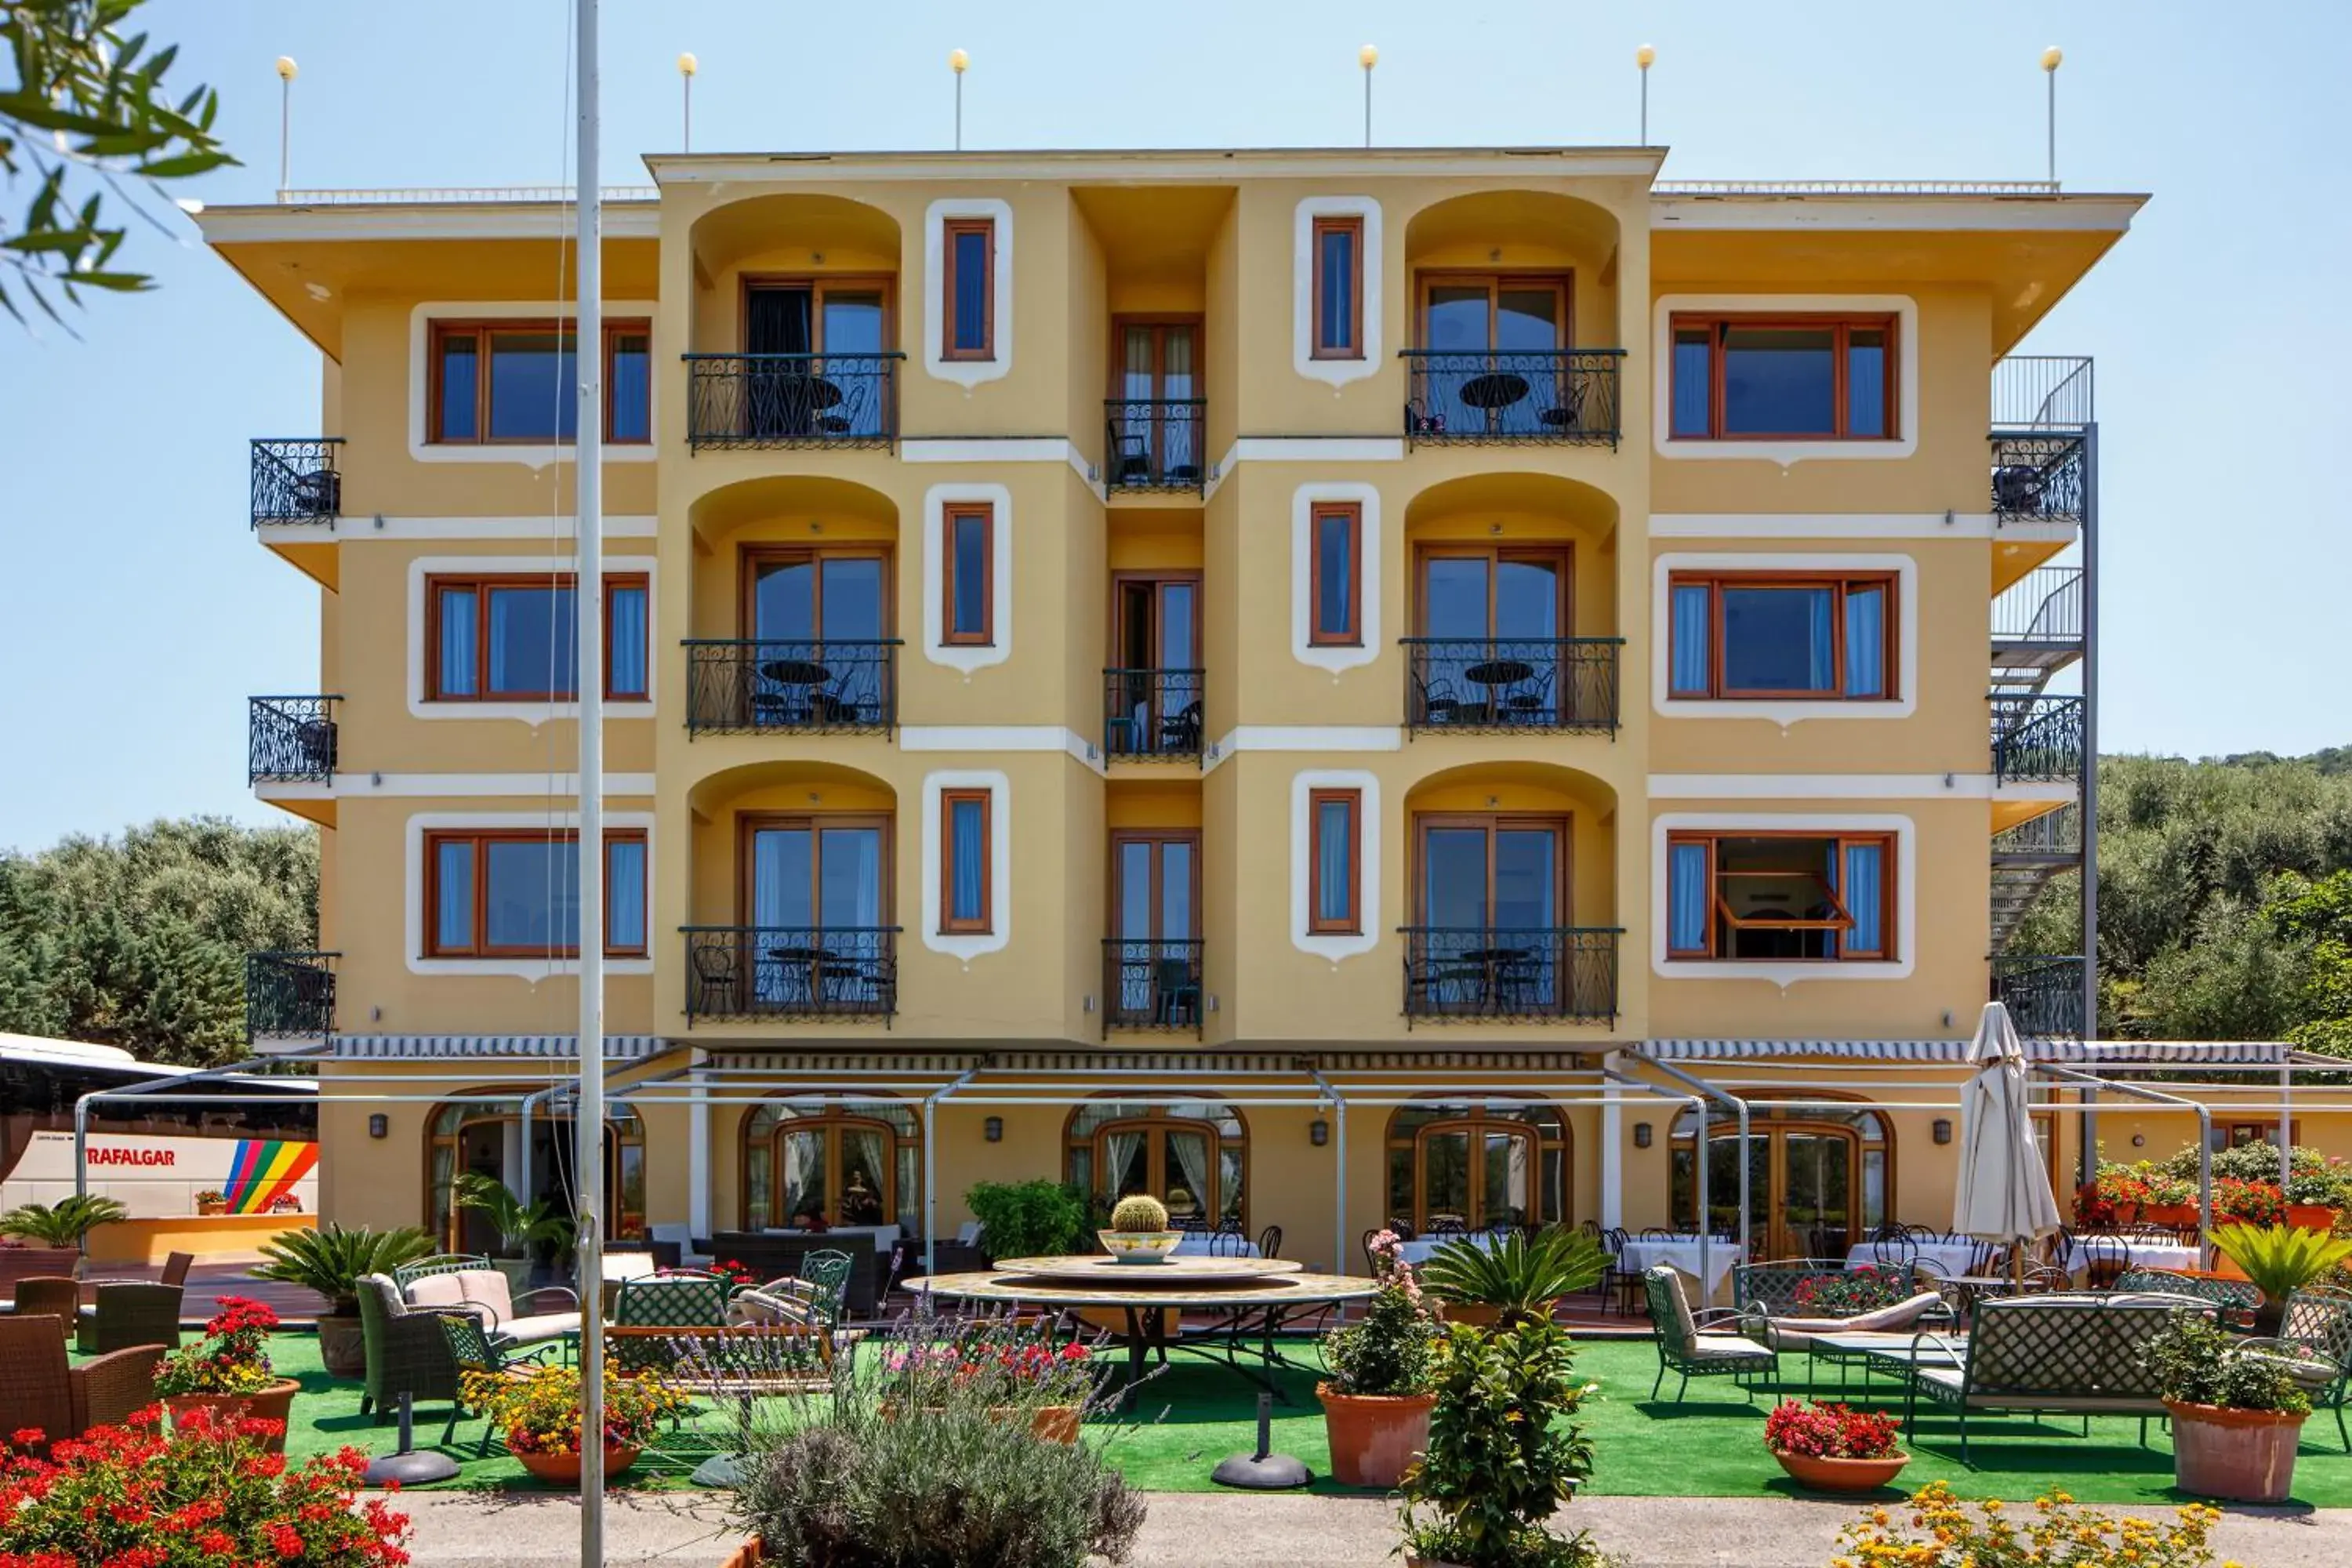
1156	699
1817	1207
1484	334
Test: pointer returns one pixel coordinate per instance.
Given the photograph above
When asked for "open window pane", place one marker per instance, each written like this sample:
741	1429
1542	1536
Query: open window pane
1779	639
1779	380
1863	890
1690	901
1865	641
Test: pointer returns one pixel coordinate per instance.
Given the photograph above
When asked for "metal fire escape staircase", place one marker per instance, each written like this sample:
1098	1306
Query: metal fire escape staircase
2037	631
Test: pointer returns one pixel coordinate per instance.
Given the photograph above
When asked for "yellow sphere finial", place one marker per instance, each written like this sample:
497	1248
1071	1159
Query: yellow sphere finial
687	65
286	67
1368	56
958	60
1645	57
2052	58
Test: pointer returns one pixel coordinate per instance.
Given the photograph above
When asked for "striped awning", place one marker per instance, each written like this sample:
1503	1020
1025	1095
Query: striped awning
488	1047
1954	1053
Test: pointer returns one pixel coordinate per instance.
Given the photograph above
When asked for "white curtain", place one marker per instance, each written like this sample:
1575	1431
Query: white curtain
1122	1148
806	1153
1192	1151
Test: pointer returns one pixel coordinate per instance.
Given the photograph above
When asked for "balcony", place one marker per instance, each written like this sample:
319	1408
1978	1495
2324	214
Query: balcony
2042	407
1544	684
289	740
2043	994
289	996
791	399
2036	739
1564	974
1471	397
756	687
1151	984
295	480
2042	610
1153	444
1153	715
791	975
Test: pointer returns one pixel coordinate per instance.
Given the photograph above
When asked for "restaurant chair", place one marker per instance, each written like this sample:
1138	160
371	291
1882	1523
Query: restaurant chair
51	1296
717	980
41	1388
129	1313
1269	1242
176	1265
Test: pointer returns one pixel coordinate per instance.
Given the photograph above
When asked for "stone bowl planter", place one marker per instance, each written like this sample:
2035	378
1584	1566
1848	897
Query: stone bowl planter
272	1401
1145	1246
563	1469
2239	1455
1374	1437
1842	1475
343	1348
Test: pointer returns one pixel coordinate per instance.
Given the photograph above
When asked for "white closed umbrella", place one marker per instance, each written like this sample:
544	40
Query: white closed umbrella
2003	1194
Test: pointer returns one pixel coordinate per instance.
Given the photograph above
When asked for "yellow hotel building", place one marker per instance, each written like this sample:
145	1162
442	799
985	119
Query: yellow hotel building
1317	682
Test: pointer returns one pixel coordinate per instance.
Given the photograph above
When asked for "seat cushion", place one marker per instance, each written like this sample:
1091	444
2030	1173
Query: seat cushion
1685	1327
540	1328
437	1291
1725	1347
487	1288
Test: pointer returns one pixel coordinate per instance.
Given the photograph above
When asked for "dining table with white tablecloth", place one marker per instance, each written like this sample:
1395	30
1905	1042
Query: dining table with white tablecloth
1949	1258
2130	1251
1203	1244
1682	1252
1421	1250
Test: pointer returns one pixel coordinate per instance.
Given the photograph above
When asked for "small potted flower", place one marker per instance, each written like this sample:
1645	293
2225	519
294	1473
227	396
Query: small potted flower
1377	1401
538	1415
227	1375
2313	1198
2114	1198
212	1201
1139	1232
1832	1449
1000	1367
2171	1200
2237	1412
1847	1293
2235	1203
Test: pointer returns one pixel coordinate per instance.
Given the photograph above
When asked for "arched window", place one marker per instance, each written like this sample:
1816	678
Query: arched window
486	1136
1191	1157
1819	1179
848	1163
1487	1163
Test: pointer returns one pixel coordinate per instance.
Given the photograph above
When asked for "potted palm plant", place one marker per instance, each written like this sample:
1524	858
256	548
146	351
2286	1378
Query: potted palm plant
2279	1260
331	1261
59	1229
1377	1401
538	1232
2237	1412
1513	1280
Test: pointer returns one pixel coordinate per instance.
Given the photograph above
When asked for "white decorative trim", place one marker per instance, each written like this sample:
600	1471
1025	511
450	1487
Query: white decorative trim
1143	168
1906	440
1928	214
420	339
967	657
1852	786
1794	712
1907	895
531	969
351	530
532	713
967	372
969	945
1854	525
452	787
1333	656
1326	944
1335	371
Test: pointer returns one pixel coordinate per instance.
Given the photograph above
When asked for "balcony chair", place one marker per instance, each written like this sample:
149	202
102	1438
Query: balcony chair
40	1389
1434	702
717	983
1176	992
1181	730
129	1313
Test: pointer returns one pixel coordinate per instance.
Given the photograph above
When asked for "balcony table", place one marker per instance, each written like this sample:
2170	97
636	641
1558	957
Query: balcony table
1500	672
1495	389
796	672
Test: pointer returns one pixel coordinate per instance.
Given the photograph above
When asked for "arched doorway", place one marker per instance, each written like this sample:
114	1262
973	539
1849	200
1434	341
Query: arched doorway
1819	1179
849	1163
1192	1157
1496	1162
486	1137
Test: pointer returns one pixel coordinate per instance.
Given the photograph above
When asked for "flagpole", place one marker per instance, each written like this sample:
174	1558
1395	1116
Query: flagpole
588	599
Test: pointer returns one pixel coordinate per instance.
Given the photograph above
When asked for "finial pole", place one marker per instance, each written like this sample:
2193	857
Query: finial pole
958	62
1645	57
286	73
2052	58
1368	56
686	66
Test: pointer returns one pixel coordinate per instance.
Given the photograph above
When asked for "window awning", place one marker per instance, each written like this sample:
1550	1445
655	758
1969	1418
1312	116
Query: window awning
2070	1053
494	1048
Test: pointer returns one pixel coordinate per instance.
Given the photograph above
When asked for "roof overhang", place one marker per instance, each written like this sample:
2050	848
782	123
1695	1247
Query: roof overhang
1156	166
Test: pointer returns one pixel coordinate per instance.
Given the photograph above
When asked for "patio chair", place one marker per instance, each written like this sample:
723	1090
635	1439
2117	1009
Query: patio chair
1269	1242
40	1388
471	1348
406	1352
647	1313
2317	1341
2236	1298
176	1265
717	983
827	1273
534	1317
51	1296
129	1314
1686	1346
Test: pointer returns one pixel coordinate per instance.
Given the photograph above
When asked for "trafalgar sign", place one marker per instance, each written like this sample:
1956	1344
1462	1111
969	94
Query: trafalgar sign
158	1176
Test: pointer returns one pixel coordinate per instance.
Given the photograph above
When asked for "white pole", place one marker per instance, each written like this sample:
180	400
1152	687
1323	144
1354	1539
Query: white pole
286	69
588	1123
956	62
1368	56
687	65
2050	59
1644	57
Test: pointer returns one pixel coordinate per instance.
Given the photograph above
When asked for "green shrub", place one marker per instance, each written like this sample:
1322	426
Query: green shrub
1391	1350
1140	1214
2198	1362
1028	1219
1519	1276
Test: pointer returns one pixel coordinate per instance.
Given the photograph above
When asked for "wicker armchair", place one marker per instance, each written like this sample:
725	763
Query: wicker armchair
176	1265
129	1314
406	1351
51	1296
1684	1346
39	1388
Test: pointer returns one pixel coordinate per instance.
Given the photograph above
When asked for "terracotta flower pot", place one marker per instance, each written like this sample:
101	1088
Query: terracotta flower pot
1842	1475
343	1348
212	1206
750	1554
2311	1216
2240	1455
1054	1423
1374	1437
272	1401
563	1469
2173	1216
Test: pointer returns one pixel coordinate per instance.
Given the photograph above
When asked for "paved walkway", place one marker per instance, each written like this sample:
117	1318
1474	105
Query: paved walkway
1238	1531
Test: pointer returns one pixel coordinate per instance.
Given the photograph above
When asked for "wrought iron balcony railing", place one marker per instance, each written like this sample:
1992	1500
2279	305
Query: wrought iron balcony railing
1538	975
1154	444
2043	993
1565	684
296	481
2037	478
1153	712
1562	395
2042	608
791	399
289	996
736	688
289	740
1151	984
2036	738
735	972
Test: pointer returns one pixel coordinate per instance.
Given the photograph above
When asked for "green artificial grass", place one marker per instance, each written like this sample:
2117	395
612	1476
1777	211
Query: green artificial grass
1195	1413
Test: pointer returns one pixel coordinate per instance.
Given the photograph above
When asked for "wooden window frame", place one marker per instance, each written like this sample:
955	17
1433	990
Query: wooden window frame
948	922
1843	326
1352	512
1153	894
1159	1119
1719	908
481	586
1840	585
953	513
1561	822
749	558
818	284
1476	1121
1498	280
481	328
749	825
1351	225
1771	1128
832	1124
950	230
1352	922
1562	556
481	839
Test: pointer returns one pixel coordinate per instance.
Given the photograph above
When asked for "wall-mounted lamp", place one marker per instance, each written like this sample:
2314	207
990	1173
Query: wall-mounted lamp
993	1128
1943	1131
1318	1133
378	1124
1640	1135
2140	1139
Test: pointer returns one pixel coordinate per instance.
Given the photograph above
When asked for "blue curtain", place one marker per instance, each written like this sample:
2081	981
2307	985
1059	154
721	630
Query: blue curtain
1693	410
968	847
627	654
631	388
1335	838
1821	668
1692	613
1864	889
457	653
1865	642
624	894
971	289
453	913
1688	901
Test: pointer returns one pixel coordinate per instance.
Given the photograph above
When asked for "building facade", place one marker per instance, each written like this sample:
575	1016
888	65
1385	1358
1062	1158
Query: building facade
1291	679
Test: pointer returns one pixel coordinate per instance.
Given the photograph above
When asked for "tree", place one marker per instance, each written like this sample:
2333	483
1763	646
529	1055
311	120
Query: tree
140	942
87	108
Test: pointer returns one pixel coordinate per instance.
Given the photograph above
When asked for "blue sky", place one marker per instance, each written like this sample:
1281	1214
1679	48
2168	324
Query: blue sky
139	614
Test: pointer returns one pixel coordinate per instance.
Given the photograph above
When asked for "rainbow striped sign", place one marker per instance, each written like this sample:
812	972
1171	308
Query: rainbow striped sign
264	1170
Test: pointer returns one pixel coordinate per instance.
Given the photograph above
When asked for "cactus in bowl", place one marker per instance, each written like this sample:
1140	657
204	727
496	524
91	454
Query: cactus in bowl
1139	1231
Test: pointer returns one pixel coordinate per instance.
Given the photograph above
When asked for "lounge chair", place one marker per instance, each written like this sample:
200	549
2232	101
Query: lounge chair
1686	1346
406	1352
535	1317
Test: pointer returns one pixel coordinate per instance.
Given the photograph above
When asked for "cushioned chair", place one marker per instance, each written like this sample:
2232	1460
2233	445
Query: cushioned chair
406	1352
473	1350
40	1389
2317	1340
51	1296
535	1317
1685	1345
129	1314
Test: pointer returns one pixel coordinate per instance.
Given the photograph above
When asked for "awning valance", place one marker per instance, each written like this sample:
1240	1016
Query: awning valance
1954	1053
